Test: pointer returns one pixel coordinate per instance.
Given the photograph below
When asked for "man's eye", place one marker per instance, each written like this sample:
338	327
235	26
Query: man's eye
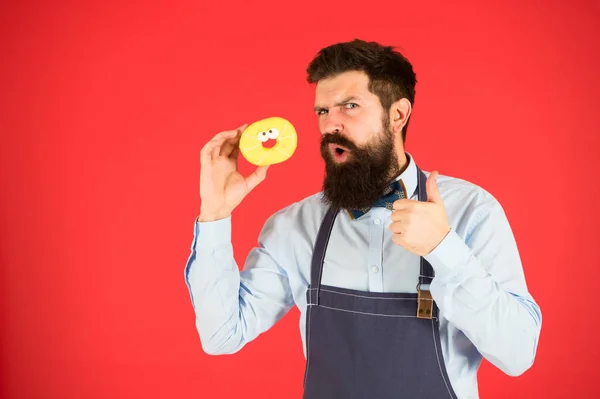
350	105
322	112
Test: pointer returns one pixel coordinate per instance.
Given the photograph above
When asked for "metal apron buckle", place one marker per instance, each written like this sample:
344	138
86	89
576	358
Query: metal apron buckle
424	303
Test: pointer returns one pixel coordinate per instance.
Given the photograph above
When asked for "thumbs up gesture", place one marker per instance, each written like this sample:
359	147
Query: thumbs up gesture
420	226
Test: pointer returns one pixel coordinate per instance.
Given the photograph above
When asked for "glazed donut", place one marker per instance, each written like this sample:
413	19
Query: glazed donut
268	141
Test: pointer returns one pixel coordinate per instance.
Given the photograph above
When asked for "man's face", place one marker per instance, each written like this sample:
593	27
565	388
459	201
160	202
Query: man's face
357	144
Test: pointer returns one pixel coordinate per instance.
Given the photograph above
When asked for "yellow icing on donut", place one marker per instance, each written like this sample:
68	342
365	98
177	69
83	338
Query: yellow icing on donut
252	148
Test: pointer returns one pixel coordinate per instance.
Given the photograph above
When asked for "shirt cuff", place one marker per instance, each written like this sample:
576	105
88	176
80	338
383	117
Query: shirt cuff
213	233
450	258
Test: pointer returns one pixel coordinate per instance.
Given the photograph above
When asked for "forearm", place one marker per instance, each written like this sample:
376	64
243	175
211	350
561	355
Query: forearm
501	320
213	280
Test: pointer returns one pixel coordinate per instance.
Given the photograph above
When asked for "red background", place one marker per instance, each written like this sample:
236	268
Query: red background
105	108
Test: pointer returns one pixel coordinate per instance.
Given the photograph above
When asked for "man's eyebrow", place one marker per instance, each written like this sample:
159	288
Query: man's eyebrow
344	101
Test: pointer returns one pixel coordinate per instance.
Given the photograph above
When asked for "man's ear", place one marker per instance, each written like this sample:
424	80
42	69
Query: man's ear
399	113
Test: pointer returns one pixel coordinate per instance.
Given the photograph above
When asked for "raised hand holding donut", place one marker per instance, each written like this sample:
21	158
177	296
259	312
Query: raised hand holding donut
222	186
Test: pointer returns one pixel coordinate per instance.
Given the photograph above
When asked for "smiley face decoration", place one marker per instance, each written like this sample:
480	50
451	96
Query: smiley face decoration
268	141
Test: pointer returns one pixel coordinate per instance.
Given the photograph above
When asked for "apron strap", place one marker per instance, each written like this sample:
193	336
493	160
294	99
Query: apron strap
426	275
425	305
318	257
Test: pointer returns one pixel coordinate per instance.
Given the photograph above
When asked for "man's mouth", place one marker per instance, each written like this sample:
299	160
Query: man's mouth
338	152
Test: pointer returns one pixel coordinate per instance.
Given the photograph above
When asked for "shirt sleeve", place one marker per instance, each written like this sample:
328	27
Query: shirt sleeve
480	288
231	307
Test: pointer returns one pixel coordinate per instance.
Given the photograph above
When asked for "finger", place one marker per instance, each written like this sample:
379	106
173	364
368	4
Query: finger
256	177
218	151
209	148
215	143
398	239
235	153
402	204
399	215
231	143
396	227
433	193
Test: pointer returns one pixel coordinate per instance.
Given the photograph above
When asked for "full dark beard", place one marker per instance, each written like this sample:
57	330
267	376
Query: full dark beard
360	180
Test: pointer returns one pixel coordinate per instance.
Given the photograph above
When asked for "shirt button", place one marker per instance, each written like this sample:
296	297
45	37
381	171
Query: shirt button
375	269
377	221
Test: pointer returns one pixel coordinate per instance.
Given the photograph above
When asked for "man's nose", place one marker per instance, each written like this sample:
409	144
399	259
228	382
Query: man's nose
332	123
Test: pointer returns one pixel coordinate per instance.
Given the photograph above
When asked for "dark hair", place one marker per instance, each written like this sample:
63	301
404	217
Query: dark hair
391	75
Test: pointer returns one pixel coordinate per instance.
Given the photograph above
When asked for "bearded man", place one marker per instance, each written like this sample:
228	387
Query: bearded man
405	279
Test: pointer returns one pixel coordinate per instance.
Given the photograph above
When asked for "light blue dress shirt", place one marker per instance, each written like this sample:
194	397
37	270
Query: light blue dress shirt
479	285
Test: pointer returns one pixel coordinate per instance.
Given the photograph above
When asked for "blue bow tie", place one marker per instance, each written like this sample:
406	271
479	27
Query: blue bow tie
392	193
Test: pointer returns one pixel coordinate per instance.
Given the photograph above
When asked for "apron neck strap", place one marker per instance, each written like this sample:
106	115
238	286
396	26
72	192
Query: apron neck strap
426	273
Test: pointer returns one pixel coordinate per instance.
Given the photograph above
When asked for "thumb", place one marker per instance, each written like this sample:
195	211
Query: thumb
256	177
433	194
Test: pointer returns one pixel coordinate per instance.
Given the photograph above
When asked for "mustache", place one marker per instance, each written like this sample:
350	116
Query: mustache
336	138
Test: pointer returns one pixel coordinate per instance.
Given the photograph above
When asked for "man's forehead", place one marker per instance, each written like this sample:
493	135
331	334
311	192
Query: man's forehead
348	85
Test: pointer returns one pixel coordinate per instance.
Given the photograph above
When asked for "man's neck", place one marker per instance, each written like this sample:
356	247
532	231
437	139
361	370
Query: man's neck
403	162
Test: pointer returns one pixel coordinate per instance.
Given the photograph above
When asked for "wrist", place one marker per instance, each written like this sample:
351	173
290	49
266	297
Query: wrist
212	216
